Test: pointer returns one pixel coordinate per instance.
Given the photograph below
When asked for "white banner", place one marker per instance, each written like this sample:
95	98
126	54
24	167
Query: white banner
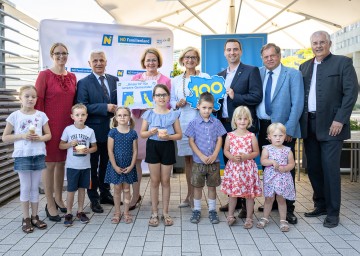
122	44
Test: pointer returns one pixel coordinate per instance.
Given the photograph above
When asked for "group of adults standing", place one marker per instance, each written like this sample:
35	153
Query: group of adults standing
319	98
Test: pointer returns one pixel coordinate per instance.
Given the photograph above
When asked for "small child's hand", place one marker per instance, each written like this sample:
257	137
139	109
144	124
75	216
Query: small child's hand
118	170
127	169
163	137
153	131
86	151
276	165
204	159
282	169
211	159
237	158
243	157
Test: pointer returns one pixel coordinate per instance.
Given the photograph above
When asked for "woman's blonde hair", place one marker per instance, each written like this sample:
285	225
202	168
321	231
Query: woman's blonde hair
153	51
239	112
114	122
188	49
276	126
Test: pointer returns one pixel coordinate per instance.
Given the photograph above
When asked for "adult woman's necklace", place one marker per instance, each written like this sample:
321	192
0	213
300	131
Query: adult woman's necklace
184	77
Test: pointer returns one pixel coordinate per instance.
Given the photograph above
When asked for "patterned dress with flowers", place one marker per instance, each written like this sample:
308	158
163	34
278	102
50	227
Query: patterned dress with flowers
276	182
241	179
56	95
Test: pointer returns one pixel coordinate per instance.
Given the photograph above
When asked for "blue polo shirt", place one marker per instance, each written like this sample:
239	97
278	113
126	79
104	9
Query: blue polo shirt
205	135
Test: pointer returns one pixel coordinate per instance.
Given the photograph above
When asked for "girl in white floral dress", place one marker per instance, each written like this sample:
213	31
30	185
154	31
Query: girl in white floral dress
279	161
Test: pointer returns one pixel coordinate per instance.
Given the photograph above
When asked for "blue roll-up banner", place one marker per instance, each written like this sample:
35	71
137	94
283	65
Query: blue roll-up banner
213	60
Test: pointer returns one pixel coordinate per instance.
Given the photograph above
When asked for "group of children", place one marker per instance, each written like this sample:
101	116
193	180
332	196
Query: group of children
161	127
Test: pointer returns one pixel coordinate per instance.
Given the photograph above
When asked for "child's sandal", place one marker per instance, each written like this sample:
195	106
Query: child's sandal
128	218
284	227
27	226
262	223
154	220
248	223
36	222
231	220
167	220
116	218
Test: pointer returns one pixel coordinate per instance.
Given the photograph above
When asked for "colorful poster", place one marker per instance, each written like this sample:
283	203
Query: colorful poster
136	94
197	85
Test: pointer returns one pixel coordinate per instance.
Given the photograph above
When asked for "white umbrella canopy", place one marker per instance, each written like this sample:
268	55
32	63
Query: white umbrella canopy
289	23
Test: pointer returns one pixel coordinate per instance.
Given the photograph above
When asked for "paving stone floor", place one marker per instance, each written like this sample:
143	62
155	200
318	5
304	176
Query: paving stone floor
100	237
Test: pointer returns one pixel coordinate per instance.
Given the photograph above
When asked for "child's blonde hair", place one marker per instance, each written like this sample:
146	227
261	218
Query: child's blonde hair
275	126
114	122
239	112
78	106
26	87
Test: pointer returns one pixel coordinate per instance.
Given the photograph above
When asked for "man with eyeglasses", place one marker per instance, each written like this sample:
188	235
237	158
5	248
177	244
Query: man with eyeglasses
331	90
283	102
243	88
98	93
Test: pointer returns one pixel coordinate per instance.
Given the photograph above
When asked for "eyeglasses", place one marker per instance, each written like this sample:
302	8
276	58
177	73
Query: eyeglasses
57	54
151	60
123	116
161	95
190	57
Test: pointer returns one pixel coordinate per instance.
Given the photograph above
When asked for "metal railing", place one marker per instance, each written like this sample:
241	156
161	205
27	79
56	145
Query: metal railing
19	47
19	65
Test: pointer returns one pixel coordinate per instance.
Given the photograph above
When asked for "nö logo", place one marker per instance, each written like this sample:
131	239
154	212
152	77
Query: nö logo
120	73
107	40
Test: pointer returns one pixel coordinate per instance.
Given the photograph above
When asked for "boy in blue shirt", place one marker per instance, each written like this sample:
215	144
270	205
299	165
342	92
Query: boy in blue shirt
205	138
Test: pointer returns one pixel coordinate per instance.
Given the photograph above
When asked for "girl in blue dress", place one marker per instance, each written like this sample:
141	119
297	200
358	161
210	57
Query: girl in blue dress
161	126
121	168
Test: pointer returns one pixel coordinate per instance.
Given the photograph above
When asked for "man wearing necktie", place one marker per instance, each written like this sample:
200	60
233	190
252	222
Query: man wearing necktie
243	88
98	92
283	102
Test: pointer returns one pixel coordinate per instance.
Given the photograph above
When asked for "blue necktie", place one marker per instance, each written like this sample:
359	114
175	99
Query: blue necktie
268	94
103	86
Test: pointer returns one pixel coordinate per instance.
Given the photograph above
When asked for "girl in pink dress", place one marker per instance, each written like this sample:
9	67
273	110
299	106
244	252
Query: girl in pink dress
241	178
151	60
279	161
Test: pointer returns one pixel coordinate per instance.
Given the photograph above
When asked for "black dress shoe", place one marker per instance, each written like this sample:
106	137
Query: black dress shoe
134	206
331	222
225	207
242	213
55	218
291	218
315	213
62	209
96	207
107	200
261	208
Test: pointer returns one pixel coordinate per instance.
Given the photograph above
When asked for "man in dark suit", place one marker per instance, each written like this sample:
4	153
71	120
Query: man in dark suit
243	88
98	92
286	102
331	90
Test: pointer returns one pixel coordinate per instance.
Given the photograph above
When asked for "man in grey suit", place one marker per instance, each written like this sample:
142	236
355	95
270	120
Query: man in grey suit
331	90
97	92
285	91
